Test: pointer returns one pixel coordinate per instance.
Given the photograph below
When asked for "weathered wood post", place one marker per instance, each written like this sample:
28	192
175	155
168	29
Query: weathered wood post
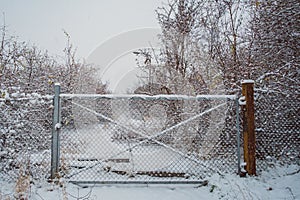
249	126
55	133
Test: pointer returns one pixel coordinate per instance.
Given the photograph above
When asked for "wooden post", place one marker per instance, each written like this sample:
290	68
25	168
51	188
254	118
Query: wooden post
248	126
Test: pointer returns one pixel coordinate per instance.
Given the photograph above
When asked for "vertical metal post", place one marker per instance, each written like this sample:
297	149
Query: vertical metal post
55	133
238	151
249	127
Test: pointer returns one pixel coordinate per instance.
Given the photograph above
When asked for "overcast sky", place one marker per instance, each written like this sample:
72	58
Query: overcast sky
90	23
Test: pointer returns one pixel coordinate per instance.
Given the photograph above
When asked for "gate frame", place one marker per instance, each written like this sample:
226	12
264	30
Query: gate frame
55	147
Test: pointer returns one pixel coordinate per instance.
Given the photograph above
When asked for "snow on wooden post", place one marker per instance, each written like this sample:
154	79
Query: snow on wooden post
248	126
55	133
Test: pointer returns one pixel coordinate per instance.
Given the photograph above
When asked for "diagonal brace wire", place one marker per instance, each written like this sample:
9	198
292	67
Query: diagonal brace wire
150	138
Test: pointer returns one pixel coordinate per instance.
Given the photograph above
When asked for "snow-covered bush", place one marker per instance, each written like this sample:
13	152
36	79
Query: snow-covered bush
25	126
27	77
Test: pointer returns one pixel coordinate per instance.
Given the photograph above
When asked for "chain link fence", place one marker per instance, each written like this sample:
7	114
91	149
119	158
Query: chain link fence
135	138
277	128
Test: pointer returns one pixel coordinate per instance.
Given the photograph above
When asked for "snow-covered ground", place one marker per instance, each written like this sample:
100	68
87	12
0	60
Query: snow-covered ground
91	155
280	182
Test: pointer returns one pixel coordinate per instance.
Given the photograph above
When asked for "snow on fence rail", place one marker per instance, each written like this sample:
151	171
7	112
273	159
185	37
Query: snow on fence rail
147	97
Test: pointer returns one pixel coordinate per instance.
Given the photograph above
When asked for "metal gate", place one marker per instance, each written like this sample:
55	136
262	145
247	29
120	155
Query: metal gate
146	139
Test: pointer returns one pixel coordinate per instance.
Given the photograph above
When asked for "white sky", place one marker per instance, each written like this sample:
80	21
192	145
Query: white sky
90	23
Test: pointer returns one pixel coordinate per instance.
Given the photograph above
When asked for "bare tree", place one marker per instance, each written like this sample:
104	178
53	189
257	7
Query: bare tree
173	66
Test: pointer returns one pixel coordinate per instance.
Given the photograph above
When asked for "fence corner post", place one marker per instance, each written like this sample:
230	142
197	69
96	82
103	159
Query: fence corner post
55	133
249	126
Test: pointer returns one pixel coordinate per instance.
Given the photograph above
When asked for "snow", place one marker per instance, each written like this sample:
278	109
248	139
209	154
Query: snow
15	95
277	182
247	81
280	182
34	97
142	158
147	97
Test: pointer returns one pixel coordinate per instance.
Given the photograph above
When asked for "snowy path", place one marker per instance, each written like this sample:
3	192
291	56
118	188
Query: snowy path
99	152
277	183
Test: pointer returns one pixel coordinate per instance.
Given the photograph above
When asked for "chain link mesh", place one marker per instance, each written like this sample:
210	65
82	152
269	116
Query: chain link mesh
143	139
149	139
277	128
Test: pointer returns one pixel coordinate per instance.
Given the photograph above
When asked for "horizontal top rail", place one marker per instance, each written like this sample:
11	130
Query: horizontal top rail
46	97
148	97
